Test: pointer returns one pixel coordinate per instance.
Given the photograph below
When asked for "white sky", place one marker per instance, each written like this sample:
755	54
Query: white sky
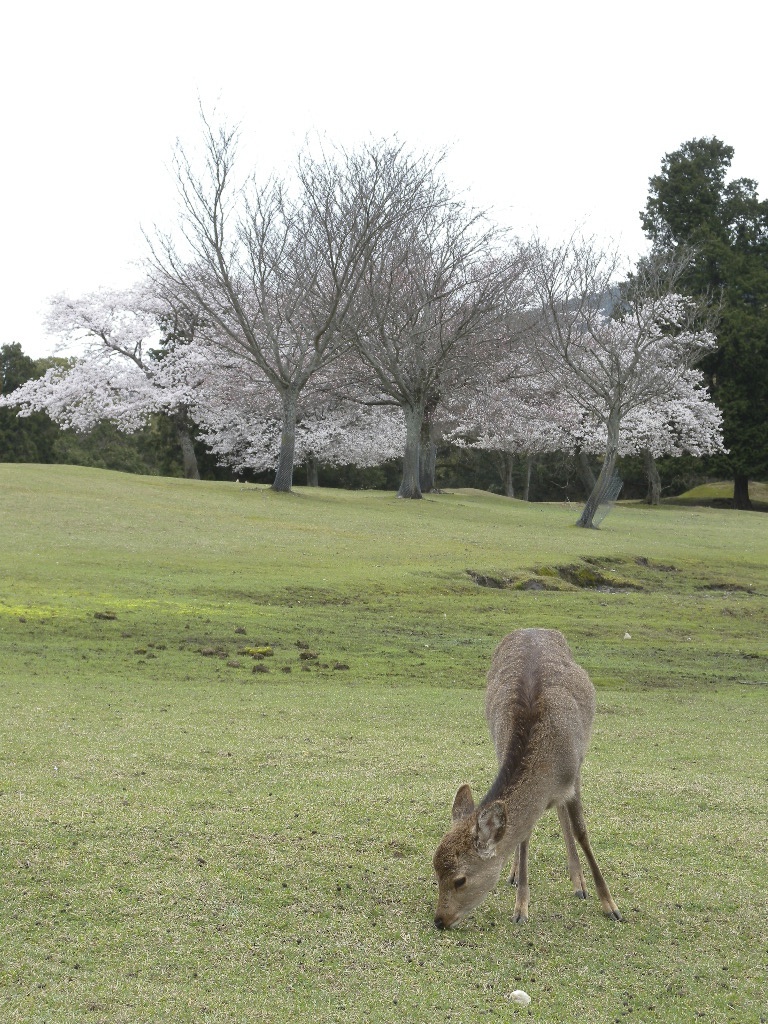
557	113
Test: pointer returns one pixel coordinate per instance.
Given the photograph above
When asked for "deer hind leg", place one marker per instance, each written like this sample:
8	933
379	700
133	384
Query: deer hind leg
574	865
576	814
519	878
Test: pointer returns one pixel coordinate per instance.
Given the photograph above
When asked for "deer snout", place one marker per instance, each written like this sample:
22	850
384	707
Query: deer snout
439	922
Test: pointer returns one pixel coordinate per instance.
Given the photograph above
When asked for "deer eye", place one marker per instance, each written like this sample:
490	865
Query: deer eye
458	882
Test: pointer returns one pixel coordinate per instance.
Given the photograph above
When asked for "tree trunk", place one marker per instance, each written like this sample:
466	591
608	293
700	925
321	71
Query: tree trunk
602	484
428	451
741	499
527	484
187	445
586	473
284	472
427	465
598	492
312	467
409	485
507	466
654	480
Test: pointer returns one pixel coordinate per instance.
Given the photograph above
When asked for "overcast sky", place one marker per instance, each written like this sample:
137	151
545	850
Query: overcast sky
556	114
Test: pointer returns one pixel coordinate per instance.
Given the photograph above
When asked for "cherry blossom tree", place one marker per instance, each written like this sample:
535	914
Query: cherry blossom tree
274	267
126	372
342	436
87	391
687	422
517	415
353	435
240	419
611	352
512	419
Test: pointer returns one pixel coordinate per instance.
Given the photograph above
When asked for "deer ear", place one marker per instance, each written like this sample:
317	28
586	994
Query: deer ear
491	826
463	803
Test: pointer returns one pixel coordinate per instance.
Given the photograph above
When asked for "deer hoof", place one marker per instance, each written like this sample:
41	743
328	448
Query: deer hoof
613	915
520	917
580	894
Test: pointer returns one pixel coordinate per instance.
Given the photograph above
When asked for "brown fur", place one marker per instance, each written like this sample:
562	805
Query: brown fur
539	707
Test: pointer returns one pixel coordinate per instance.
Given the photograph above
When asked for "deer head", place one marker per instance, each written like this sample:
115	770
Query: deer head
467	861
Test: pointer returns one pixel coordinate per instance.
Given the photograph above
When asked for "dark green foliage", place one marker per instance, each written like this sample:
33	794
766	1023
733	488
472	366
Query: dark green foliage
15	367
28	438
677	474
554	476
385	477
161	436
468	467
687	199
690	204
106	447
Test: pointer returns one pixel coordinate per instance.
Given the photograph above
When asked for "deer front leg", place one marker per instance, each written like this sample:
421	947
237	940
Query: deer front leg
519	877
574	865
513	873
576	814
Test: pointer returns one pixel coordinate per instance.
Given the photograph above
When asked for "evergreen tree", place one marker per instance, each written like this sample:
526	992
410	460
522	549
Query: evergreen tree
691	204
33	438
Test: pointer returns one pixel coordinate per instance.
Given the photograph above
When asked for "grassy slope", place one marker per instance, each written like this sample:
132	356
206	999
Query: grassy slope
719	494
184	837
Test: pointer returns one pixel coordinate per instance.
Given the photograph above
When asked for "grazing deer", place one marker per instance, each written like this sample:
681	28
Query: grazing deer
539	706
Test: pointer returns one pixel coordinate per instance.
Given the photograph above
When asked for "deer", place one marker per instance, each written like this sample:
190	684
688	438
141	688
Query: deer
539	706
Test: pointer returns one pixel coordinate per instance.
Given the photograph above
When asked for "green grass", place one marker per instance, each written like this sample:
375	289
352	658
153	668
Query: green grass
191	833
719	494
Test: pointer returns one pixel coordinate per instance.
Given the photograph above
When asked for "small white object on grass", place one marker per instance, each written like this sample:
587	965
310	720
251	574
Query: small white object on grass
520	997
627	636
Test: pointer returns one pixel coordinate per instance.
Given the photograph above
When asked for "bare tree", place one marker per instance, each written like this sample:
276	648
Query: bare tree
275	267
439	280
611	350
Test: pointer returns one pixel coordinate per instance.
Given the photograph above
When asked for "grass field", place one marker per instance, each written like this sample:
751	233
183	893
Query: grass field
719	494
232	723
